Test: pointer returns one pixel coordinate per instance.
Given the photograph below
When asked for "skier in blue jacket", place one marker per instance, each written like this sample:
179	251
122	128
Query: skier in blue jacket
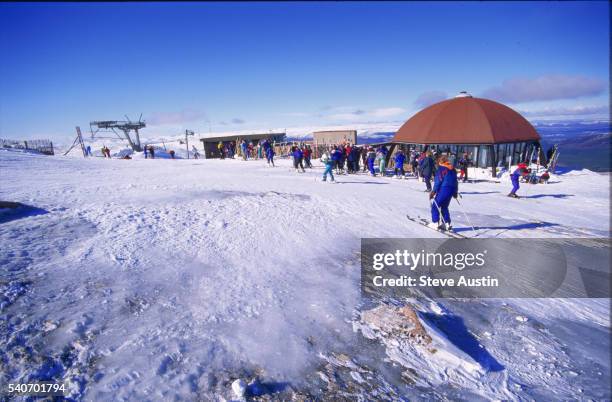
243	148
371	157
445	188
521	170
400	158
298	155
336	156
270	155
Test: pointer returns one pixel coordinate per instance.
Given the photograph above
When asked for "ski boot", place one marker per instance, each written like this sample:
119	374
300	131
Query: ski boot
436	226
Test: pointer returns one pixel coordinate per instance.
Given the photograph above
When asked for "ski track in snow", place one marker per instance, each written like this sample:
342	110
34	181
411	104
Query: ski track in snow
146	279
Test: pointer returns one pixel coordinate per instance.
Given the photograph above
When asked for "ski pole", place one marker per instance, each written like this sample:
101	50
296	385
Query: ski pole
464	214
439	210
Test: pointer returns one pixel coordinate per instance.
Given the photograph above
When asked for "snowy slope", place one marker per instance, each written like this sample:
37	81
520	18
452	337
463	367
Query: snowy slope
155	279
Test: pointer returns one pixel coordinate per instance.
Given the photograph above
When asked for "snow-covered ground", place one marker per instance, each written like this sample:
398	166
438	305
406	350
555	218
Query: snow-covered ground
162	279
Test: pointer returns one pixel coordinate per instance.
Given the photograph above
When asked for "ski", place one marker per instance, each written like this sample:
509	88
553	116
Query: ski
425	222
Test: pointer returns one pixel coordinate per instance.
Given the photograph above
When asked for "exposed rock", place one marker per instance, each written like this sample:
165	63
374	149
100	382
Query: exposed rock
399	322
428	357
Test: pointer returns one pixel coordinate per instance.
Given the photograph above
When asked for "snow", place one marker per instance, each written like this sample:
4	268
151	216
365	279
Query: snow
161	279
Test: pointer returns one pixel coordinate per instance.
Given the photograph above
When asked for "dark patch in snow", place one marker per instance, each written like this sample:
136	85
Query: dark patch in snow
257	388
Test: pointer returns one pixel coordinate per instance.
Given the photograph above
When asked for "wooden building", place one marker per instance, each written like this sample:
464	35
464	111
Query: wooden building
491	133
334	137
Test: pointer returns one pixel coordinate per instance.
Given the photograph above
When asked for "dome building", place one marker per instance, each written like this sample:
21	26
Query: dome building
493	134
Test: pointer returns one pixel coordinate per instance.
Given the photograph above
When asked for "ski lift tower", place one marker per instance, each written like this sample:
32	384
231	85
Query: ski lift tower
124	125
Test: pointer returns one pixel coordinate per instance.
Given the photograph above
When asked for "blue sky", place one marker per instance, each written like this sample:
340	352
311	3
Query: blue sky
260	66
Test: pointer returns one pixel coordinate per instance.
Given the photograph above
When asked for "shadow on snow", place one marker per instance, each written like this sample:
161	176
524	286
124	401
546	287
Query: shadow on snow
457	333
549	195
519	226
479	192
18	211
360	182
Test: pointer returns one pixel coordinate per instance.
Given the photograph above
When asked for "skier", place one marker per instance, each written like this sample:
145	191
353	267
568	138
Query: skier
270	155
364	158
171	152
521	170
414	164
349	158
265	144
356	152
297	159
88	151
445	188
545	177
427	167
251	150
152	151
329	166
464	162
342	159
243	149
307	154
382	154
371	157
335	155
400	158
220	150
106	152
146	152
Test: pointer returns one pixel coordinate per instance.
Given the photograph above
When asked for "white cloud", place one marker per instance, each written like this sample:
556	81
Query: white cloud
354	114
546	88
578	110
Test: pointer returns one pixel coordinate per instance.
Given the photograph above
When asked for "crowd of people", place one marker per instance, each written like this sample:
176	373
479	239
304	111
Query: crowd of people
106	152
244	150
149	152
440	172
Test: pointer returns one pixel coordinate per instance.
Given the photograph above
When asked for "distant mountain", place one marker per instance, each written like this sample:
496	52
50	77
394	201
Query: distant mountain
581	144
555	132
588	140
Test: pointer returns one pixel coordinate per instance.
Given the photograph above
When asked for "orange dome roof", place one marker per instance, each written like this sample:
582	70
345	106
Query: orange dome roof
466	120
